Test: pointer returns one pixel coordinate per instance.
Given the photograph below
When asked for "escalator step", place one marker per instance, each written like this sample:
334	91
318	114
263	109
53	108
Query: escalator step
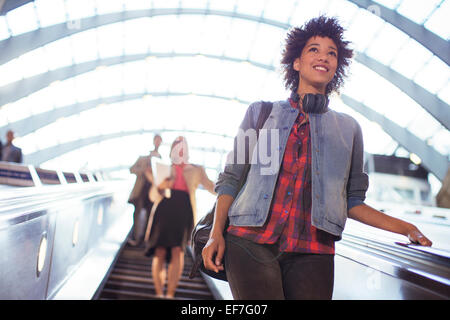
131	278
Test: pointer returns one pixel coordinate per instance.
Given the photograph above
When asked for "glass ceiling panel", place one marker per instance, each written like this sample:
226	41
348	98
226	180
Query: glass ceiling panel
218	5
444	94
434	75
370	23
109	6
33	63
417	12
60	53
84	46
10	72
387	43
22	19
239	34
439	22
279	10
50	12
305	10
410	59
110	40
137	4
77	9
251	7
259	50
344	10
4	30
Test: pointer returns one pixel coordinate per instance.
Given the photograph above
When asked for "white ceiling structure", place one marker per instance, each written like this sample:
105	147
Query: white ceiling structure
86	84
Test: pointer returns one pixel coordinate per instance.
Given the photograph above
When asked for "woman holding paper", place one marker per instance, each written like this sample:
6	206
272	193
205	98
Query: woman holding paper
172	217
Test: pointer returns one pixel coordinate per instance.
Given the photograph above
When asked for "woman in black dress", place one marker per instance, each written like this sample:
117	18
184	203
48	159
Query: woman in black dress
173	217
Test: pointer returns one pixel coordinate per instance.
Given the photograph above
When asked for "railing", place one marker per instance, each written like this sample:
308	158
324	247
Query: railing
58	239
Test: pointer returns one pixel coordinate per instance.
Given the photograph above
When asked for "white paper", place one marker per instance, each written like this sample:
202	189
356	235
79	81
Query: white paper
161	170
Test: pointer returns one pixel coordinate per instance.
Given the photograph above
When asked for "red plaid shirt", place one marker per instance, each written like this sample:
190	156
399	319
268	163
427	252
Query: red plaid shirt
289	221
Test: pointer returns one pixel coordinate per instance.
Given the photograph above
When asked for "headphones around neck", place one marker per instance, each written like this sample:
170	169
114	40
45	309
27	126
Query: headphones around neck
312	103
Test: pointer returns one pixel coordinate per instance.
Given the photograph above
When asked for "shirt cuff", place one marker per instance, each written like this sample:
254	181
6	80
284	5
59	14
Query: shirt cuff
353	202
226	190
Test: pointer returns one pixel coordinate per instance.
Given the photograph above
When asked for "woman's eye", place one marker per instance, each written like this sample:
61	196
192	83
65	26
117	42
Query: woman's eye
313	49
333	53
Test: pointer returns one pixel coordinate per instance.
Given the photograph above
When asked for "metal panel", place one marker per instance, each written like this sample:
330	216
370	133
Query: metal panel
432	160
425	37
19	257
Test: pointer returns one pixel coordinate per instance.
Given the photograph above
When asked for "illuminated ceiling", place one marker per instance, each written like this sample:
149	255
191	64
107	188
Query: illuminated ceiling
101	77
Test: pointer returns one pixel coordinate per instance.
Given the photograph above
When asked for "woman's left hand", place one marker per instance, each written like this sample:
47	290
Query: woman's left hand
416	237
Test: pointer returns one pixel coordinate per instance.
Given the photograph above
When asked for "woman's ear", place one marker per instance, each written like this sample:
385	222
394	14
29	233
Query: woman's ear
296	64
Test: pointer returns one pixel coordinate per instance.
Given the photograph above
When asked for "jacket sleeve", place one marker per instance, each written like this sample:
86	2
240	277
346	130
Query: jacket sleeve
228	180
358	181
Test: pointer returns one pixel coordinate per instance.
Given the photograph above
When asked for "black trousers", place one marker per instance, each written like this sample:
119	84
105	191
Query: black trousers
261	272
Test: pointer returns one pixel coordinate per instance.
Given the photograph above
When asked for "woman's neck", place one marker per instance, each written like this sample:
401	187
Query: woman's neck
309	88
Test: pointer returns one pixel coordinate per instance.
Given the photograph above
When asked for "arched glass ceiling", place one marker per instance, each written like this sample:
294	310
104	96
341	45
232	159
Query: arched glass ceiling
219	36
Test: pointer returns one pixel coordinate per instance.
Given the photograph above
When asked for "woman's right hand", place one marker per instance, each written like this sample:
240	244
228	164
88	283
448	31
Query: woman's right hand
213	253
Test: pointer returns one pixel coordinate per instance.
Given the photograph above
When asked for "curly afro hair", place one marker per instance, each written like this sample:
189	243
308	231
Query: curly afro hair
296	39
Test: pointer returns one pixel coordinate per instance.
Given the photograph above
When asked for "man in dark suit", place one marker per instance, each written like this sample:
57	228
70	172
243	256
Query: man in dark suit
139	195
10	152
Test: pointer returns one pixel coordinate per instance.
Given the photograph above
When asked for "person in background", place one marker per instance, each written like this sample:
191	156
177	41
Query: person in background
280	243
139	194
10	152
173	217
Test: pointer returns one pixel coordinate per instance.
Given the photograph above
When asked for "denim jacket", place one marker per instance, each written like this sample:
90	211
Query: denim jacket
338	180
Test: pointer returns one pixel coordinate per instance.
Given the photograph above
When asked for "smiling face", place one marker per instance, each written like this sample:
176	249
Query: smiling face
316	65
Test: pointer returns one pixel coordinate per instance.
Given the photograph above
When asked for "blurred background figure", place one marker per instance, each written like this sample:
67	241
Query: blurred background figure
10	152
139	194
172	218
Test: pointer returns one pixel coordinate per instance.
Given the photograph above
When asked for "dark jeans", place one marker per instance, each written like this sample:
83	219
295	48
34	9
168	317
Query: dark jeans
261	272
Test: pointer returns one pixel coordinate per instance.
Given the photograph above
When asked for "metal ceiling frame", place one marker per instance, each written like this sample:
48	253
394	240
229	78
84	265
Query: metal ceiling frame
434	161
427	38
22	88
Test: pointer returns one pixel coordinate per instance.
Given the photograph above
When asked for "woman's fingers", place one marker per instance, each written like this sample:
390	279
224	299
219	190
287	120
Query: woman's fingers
417	237
208	253
211	249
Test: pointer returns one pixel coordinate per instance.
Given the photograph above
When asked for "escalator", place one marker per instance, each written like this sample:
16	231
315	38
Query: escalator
130	279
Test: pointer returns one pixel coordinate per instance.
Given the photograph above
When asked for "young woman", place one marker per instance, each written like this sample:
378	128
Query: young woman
280	241
173	217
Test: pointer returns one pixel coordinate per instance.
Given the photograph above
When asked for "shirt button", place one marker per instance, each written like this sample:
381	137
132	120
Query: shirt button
266	196
285	211
289	193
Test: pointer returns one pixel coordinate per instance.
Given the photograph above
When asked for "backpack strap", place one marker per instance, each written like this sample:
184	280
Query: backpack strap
266	109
